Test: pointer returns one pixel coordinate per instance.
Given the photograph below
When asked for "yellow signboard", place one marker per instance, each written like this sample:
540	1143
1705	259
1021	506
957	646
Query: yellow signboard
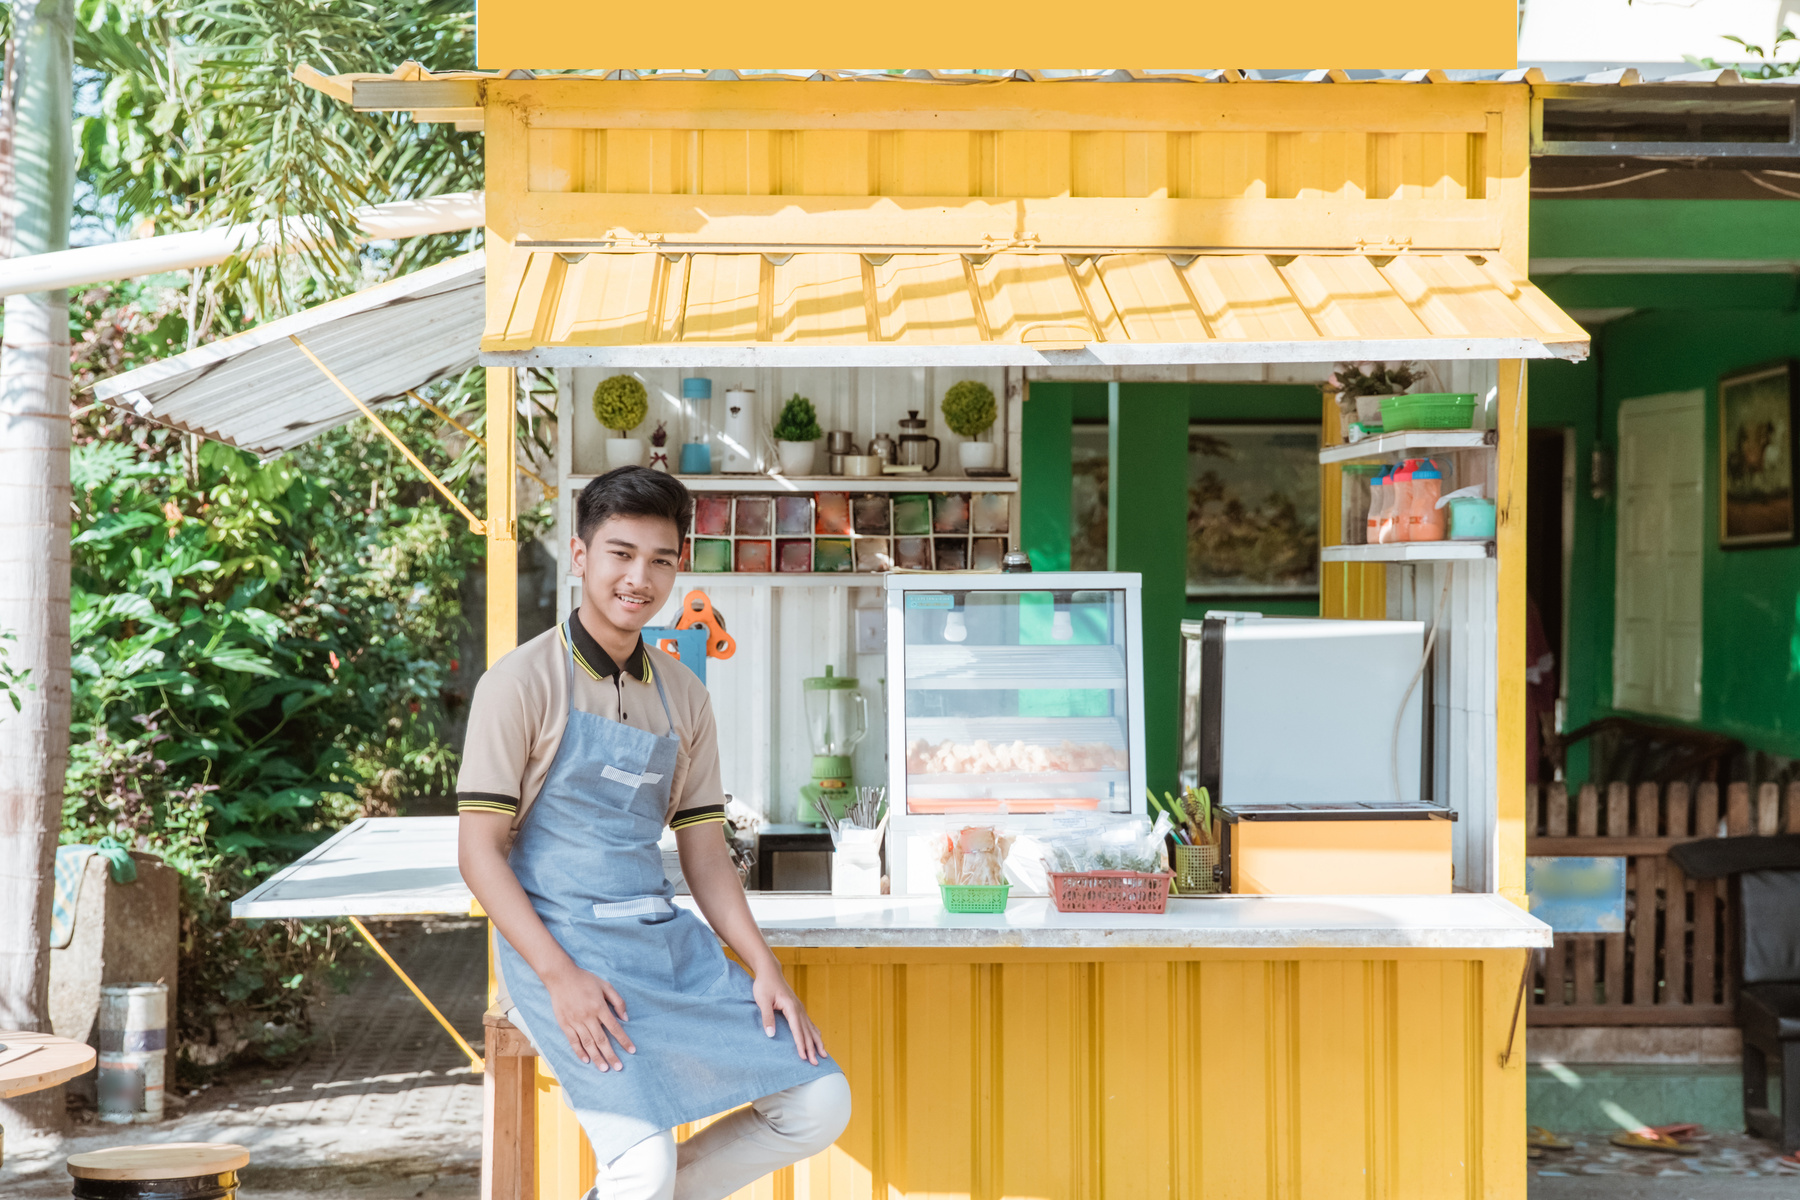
1049	34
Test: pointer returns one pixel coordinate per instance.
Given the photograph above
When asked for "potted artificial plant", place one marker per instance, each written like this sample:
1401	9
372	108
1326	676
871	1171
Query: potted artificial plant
1360	387
796	431
621	404
969	411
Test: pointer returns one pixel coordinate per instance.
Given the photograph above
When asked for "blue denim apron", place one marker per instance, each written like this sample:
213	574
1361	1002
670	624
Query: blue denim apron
587	855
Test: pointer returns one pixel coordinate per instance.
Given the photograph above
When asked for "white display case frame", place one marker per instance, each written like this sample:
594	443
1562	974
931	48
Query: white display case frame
910	865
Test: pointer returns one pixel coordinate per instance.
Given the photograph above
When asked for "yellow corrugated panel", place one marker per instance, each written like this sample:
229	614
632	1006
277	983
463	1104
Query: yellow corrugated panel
818	298
1326	1075
724	299
1050	301
1152	302
1242	297
1346	297
924	299
1031	297
610	303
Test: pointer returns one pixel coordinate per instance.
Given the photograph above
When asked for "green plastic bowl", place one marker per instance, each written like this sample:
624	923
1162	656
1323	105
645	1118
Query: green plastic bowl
1428	410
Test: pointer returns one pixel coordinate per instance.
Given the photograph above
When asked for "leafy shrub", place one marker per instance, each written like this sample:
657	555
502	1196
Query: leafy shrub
968	408
621	404
798	422
261	652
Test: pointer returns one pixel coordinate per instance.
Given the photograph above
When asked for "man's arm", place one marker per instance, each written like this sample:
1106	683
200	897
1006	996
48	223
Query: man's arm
586	1006
713	879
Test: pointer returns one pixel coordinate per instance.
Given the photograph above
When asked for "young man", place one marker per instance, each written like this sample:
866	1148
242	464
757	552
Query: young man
583	744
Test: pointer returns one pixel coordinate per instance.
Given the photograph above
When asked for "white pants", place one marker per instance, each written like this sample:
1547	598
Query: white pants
732	1152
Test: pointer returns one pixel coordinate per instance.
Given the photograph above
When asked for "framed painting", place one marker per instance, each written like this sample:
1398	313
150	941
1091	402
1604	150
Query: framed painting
1253	508
1756	457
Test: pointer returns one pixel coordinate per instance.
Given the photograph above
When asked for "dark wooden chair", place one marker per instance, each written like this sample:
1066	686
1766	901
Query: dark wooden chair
1768	1009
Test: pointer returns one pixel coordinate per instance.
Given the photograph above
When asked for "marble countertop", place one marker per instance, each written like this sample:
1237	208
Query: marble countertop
1463	922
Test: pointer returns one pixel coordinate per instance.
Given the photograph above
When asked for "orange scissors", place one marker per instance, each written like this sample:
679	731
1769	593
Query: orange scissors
697	609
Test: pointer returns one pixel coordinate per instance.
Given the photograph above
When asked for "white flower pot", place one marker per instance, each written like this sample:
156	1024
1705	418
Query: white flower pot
796	457
977	456
624	452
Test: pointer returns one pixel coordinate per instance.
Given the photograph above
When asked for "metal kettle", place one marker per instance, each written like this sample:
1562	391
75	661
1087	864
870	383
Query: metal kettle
913	443
882	447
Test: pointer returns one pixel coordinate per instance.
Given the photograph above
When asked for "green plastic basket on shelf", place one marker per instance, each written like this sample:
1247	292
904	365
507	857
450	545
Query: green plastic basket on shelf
974	897
1428	410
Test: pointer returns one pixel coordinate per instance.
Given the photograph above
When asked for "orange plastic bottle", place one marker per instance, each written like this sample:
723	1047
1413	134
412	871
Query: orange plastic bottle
1378	498
1425	521
1399	502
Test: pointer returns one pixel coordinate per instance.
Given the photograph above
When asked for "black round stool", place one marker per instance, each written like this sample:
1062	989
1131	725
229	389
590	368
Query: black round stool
176	1171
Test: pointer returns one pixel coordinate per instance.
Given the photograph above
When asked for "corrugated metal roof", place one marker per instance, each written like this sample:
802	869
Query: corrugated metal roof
257	391
1015	309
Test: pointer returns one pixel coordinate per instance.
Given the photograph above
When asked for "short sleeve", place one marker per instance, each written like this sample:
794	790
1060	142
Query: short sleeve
702	798
497	746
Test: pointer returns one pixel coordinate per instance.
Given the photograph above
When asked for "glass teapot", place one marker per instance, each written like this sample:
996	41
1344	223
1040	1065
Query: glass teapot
914	443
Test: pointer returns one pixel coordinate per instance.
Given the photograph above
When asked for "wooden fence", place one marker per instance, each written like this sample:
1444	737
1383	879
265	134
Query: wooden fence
1673	963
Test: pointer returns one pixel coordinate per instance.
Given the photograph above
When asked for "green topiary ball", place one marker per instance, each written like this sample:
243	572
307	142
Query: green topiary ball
968	408
798	422
621	404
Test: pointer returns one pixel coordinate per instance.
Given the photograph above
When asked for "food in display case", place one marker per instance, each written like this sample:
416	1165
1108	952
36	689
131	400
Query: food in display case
1016	696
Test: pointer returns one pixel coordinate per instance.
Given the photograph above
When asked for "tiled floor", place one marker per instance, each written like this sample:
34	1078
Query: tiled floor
1730	1165
384	1105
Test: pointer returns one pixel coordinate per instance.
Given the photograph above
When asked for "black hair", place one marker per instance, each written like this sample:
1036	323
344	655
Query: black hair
633	492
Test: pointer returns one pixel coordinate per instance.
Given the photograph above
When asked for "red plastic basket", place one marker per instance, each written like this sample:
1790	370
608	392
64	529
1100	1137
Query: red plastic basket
1111	891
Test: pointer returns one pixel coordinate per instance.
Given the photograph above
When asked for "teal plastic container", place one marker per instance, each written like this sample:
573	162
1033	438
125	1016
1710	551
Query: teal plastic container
1471	520
1428	410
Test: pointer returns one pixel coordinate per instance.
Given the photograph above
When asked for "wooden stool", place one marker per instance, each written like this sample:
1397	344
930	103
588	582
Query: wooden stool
176	1171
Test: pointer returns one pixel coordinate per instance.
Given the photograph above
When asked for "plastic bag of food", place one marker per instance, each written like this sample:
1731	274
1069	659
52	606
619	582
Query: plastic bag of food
972	855
1113	846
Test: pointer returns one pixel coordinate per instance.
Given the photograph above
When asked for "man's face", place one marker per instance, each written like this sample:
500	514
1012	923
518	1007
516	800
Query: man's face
627	568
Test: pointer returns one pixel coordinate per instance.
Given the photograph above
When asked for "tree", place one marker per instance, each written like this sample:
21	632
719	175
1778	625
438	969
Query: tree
37	99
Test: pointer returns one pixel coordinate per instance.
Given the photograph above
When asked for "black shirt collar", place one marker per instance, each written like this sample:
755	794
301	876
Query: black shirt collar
597	661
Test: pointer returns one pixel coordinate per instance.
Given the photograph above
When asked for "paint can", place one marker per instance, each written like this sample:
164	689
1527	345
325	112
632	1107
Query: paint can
178	1171
134	1038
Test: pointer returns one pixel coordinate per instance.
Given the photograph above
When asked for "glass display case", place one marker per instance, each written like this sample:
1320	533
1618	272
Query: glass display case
1014	698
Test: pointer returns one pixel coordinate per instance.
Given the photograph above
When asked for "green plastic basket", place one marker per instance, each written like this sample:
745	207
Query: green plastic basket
1428	410
974	897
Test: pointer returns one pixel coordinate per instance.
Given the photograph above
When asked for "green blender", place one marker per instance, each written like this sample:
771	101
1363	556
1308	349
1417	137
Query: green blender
837	718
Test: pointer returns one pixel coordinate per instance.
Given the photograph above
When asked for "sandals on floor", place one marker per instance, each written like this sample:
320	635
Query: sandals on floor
1537	1137
1664	1139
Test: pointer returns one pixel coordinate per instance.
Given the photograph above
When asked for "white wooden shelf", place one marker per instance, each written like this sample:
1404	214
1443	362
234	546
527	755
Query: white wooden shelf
1405	441
1409	552
688	580
830	483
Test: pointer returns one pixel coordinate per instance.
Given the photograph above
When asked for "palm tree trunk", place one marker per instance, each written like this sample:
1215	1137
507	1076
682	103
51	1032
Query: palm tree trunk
34	525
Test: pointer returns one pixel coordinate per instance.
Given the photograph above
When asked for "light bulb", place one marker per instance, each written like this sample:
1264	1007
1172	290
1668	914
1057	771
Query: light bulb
1062	626
954	628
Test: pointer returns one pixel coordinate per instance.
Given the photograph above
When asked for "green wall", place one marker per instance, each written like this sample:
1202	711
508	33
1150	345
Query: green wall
1749	688
1146	508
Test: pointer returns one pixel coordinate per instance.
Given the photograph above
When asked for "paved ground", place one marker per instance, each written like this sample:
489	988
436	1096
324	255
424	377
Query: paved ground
383	1106
1729	1167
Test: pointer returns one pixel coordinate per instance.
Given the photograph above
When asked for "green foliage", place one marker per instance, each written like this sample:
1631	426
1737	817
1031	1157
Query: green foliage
201	123
798	422
1766	66
968	408
260	653
621	403
1373	378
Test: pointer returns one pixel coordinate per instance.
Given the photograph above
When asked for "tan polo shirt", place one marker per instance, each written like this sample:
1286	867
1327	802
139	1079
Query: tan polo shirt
521	704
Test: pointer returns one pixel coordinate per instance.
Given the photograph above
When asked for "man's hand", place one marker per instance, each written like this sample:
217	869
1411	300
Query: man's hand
587	1010
774	995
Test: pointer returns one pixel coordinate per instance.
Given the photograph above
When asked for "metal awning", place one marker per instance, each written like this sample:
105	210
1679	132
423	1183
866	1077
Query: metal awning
820	308
260	391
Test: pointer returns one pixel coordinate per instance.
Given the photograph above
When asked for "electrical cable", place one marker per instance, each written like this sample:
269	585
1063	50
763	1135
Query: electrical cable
1437	618
1595	187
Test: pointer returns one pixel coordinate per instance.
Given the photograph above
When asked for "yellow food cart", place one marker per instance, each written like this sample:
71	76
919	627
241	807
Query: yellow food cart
1114	227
